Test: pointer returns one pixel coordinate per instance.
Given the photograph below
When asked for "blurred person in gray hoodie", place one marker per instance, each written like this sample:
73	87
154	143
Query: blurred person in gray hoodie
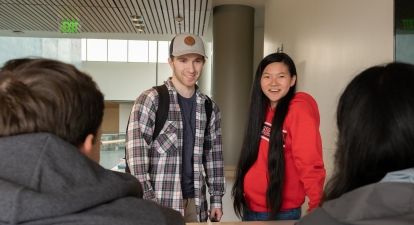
373	180
50	119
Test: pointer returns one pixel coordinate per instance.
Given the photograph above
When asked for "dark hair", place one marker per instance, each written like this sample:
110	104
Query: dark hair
42	95
375	119
259	104
14	63
171	48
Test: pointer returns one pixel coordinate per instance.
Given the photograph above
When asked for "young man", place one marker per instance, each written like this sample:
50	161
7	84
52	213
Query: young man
175	166
50	118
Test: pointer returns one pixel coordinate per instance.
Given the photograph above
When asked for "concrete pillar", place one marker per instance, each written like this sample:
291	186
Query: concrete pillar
233	36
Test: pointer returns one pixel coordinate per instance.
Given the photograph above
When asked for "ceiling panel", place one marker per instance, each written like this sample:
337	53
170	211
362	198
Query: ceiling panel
106	16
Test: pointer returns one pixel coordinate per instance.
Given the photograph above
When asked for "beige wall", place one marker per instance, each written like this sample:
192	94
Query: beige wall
330	41
110	123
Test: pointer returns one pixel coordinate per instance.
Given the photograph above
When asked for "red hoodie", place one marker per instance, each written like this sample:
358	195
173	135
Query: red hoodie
304	168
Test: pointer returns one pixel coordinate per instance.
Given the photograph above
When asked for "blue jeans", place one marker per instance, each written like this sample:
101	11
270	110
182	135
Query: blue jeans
291	214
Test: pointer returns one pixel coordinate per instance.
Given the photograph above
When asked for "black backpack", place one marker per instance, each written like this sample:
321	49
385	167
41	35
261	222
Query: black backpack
162	114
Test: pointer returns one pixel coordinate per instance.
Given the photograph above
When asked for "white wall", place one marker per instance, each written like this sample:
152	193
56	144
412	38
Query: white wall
121	81
164	72
330	41
124	81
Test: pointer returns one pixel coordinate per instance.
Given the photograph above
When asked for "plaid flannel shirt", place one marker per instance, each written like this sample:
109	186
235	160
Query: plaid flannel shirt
157	164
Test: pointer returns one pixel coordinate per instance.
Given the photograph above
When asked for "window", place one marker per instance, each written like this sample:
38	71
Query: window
83	49
163	51
96	49
404	30
152	54
64	46
124	50
137	51
117	50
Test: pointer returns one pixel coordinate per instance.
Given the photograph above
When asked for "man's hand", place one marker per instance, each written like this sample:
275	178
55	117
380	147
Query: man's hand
216	214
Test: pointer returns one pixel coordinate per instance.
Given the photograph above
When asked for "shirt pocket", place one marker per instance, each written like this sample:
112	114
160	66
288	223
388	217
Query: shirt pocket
167	139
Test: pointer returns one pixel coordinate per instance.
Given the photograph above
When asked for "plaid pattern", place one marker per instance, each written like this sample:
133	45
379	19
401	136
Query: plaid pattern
157	164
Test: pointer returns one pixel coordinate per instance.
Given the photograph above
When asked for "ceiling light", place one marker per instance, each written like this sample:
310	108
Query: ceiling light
178	18
140	28
135	18
138	22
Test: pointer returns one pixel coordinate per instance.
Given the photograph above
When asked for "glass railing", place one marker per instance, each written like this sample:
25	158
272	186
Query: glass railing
113	151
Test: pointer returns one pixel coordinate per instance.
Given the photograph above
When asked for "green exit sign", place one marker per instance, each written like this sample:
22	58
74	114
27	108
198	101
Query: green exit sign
408	24
69	26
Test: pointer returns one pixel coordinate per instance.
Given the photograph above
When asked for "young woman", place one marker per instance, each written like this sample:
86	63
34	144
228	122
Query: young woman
373	181
281	158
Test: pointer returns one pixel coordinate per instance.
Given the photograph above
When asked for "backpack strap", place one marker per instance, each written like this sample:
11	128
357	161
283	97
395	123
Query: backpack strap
162	110
164	106
208	105
209	110
160	116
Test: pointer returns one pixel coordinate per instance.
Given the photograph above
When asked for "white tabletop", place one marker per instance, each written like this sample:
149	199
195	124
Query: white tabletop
279	222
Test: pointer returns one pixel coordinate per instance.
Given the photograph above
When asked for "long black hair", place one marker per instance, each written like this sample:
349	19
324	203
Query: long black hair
375	119
259	104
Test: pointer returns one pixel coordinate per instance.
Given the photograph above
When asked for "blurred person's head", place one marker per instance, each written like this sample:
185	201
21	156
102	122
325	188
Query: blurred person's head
375	119
43	95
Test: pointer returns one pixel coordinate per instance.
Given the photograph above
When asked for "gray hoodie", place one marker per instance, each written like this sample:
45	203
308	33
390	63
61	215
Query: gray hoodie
45	180
389	202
